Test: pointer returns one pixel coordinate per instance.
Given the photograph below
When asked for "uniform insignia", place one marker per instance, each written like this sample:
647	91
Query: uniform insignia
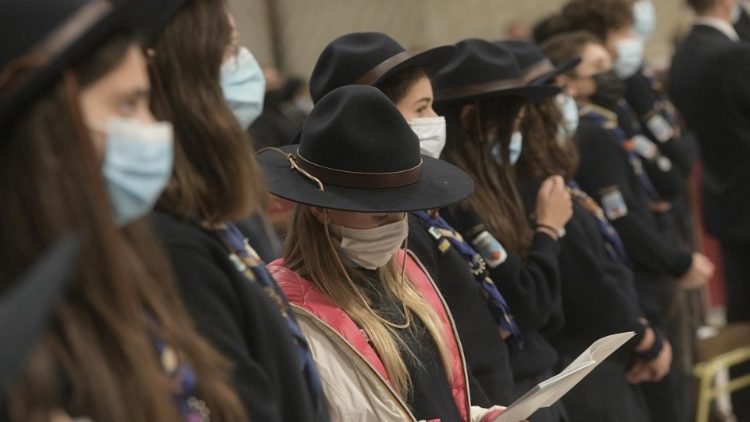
644	147
664	164
613	204
490	249
660	127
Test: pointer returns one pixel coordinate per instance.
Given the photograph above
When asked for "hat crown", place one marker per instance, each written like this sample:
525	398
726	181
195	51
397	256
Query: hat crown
27	23
348	58
356	128
526	53
476	62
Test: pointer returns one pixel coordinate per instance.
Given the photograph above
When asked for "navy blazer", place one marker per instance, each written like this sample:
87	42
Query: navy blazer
711	88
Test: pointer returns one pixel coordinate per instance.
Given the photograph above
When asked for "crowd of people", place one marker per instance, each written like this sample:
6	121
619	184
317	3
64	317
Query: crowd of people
402	237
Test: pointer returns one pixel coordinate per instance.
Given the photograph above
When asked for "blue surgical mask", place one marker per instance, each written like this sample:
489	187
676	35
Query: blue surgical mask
138	161
644	15
629	57
569	123
514	149
244	86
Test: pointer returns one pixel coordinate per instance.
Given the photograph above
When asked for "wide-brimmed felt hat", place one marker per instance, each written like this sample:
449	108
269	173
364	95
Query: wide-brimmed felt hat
481	69
368	58
536	67
27	306
41	37
357	153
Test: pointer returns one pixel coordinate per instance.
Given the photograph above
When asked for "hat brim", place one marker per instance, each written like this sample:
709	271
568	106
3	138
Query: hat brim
432	60
25	309
127	17
532	93
441	184
563	68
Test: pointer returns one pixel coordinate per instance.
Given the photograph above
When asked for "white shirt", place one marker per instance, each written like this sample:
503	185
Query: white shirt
722	26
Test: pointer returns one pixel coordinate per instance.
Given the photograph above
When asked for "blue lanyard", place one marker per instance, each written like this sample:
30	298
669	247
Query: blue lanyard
255	270
190	407
612	240
498	306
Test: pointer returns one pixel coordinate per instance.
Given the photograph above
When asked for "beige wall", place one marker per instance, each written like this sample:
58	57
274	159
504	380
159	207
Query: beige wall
306	26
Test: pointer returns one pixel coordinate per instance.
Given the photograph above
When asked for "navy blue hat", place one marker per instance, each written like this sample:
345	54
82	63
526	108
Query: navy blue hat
482	69
26	307
368	58
357	153
44	36
536	67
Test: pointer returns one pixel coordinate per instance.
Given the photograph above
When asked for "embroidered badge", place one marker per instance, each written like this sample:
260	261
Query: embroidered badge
490	249
660	127
644	147
664	164
614	204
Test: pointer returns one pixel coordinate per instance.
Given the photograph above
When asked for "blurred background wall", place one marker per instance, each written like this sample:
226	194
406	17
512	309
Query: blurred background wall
291	33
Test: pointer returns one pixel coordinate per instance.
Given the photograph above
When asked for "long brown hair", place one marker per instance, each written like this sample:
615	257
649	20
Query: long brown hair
310	252
122	294
495	198
546	150
216	177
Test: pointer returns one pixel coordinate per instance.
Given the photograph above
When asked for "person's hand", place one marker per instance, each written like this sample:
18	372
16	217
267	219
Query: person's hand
651	371
554	207
700	271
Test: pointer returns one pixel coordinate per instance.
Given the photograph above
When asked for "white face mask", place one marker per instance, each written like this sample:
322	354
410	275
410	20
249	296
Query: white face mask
569	124
644	16
372	248
629	57
431	133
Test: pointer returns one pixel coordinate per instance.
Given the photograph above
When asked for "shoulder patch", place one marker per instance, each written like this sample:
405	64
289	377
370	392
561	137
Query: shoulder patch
614	205
660	127
490	249
644	147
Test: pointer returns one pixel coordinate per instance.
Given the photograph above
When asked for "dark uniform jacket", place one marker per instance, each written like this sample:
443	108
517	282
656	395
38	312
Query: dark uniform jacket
240	320
711	88
607	175
485	351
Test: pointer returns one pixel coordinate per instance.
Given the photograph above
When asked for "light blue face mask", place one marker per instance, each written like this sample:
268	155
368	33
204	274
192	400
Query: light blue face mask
629	57
569	124
138	161
244	86
644	15
514	149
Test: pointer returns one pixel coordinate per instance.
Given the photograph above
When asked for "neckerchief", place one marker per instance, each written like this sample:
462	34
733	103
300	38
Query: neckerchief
612	241
440	230
252	267
190	407
608	120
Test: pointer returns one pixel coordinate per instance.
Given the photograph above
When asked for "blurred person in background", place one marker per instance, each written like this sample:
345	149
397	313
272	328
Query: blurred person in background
711	88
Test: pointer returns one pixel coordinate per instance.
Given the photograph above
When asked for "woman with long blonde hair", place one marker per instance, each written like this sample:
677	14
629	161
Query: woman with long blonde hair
377	326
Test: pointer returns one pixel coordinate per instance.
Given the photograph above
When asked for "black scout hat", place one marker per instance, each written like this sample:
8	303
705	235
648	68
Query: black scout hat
41	37
536	67
483	69
26	307
367	58
357	153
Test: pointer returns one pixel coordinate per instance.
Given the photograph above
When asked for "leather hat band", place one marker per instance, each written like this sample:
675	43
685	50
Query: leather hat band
537	70
479	88
377	72
351	179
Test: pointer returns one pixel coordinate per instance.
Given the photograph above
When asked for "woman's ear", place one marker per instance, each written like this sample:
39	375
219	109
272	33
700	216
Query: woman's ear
567	85
467	116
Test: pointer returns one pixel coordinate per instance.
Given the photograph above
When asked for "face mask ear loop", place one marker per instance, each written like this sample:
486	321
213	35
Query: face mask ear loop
353	286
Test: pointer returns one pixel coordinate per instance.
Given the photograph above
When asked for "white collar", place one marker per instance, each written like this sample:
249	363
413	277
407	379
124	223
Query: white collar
720	25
